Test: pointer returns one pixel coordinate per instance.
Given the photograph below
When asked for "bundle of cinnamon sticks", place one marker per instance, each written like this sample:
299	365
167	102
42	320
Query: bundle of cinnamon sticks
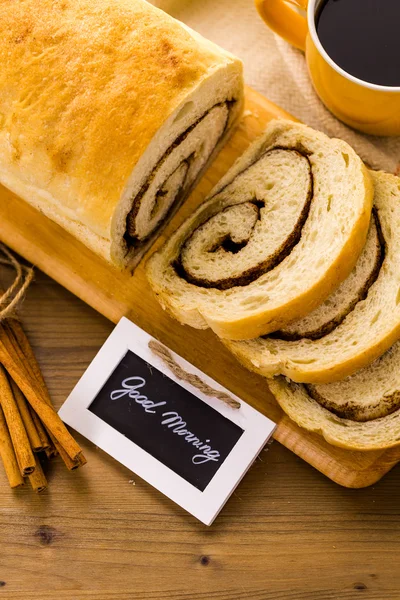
30	428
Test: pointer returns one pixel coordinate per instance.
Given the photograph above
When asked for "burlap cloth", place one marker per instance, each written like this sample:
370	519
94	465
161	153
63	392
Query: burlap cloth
276	69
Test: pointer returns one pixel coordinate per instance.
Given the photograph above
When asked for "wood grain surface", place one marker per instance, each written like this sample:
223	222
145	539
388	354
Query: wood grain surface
288	533
115	294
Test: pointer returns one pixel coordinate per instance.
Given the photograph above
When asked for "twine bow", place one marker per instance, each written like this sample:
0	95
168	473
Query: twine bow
13	296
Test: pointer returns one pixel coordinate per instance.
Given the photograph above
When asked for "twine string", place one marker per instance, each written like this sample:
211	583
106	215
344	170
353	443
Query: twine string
13	296
165	355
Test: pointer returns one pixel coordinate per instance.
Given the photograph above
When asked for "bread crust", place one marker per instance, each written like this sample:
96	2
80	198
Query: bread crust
84	89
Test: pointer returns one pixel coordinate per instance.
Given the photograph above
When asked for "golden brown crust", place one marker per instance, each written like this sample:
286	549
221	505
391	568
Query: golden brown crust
84	87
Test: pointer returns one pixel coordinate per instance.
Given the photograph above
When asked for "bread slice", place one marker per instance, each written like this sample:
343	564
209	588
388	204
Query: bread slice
364	334
361	412
282	229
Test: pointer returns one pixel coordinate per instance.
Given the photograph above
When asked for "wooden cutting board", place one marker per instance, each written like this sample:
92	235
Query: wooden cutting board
115	294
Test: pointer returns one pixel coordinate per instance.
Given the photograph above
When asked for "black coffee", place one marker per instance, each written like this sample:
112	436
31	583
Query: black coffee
363	37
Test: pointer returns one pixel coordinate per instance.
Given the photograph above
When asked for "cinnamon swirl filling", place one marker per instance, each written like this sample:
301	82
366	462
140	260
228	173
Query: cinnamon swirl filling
259	228
172	178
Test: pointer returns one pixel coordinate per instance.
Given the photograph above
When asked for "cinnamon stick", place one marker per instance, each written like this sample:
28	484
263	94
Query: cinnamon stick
69	463
10	358
32	432
20	440
22	345
22	340
51	451
7	455
46	443
38	479
44	438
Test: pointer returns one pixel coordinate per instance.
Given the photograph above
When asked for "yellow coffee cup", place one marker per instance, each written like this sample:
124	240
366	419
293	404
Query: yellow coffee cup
371	108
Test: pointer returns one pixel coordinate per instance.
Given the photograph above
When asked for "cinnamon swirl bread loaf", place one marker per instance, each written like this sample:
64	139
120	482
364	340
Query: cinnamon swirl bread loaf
109	112
279	233
355	325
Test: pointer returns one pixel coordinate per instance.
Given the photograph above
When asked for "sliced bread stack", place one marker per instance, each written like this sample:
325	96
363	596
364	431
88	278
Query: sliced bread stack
275	238
290	264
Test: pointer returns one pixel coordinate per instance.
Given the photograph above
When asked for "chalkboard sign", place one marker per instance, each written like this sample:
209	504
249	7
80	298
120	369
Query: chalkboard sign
178	436
166	420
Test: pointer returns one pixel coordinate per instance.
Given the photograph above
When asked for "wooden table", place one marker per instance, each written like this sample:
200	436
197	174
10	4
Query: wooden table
288	533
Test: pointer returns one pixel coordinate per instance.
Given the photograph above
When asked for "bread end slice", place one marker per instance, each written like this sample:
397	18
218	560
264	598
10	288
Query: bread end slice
378	434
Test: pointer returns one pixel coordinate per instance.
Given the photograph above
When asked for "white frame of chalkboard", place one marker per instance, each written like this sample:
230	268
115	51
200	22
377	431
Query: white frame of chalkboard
203	505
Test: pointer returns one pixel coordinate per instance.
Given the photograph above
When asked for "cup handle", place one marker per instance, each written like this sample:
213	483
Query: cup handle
284	20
